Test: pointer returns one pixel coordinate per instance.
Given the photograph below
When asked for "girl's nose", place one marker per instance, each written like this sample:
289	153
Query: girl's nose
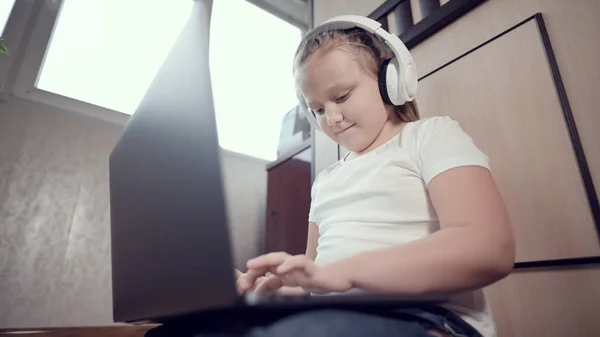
334	116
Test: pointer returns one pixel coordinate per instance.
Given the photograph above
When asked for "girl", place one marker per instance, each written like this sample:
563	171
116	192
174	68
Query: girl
411	209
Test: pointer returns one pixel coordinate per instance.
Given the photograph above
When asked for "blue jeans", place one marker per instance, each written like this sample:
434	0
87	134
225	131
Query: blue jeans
335	323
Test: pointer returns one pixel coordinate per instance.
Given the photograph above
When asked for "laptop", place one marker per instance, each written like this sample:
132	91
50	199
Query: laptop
170	241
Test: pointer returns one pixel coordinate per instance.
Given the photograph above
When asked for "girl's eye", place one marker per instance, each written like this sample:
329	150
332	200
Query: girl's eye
342	98
318	111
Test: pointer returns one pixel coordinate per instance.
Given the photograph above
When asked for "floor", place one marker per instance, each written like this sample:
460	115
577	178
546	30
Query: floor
109	331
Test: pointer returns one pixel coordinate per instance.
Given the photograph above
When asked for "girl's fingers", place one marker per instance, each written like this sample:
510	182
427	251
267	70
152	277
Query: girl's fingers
241	284
248	280
298	262
268	260
269	284
287	270
295	278
254	274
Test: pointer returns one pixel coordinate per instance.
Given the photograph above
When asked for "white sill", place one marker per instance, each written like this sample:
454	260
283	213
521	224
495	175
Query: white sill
73	105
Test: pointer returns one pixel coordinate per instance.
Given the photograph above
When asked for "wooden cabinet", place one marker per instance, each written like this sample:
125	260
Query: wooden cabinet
288	202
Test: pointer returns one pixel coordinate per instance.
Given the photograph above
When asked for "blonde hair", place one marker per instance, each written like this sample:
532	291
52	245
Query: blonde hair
373	53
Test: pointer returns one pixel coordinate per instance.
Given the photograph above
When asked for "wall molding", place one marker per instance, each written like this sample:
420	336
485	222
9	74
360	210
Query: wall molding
430	24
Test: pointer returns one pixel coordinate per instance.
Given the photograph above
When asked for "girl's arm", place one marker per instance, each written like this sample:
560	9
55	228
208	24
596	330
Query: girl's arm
473	248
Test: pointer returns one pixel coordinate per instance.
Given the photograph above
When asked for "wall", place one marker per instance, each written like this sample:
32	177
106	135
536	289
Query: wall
572	27
246	192
325	9
560	301
54	215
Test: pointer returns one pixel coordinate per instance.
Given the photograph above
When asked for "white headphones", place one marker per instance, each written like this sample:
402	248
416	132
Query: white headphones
397	76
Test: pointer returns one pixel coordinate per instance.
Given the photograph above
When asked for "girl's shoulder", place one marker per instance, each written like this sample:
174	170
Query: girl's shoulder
433	130
439	143
428	125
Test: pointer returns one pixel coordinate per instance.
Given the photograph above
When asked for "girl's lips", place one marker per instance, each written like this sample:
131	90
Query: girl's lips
344	130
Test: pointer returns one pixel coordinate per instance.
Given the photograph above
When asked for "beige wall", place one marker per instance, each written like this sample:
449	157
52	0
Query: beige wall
246	192
54	215
573	28
543	302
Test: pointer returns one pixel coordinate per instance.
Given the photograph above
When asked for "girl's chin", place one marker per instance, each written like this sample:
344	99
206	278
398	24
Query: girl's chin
351	146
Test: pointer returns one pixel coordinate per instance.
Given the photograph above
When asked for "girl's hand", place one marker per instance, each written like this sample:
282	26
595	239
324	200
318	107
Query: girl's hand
248	280
299	271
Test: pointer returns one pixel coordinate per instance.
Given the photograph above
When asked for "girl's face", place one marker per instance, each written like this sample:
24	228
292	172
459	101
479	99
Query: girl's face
345	99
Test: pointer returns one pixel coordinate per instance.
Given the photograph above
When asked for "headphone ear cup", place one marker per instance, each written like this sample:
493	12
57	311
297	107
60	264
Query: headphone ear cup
411	82
383	81
312	119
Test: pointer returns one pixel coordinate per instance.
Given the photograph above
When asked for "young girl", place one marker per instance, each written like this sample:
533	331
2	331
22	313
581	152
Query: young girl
412	209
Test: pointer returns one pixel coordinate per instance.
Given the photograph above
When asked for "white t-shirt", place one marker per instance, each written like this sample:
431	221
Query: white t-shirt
380	199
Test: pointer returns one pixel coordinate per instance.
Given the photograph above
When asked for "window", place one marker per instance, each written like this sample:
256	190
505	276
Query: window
107	52
251	56
5	9
104	54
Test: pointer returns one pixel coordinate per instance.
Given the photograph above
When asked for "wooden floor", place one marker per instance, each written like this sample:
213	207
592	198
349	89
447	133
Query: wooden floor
108	331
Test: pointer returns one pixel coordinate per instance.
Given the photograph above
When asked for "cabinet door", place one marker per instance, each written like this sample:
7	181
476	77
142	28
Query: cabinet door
503	95
288	204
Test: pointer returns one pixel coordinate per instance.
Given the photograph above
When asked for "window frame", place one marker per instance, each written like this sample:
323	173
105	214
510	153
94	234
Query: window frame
29	30
13	35
37	33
